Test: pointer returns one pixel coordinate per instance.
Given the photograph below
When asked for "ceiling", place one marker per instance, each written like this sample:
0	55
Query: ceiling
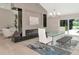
63	8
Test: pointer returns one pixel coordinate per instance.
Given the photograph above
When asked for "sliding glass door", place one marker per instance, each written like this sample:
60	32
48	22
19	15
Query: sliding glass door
64	24
75	27
71	26
67	24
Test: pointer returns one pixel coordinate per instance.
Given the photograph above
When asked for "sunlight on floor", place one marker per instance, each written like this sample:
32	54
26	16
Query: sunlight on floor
73	32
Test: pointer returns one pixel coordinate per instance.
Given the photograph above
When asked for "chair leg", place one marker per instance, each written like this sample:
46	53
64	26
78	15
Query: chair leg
50	43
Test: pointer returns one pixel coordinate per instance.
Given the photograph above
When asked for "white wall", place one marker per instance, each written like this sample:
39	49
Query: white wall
30	9
26	21
6	18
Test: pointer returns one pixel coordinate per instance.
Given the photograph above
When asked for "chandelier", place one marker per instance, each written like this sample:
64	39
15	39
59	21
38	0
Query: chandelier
54	13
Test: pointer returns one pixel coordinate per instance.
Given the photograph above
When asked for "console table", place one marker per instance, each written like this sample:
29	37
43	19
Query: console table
31	33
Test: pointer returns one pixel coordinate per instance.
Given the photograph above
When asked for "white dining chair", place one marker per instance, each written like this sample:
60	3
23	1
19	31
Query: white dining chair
42	36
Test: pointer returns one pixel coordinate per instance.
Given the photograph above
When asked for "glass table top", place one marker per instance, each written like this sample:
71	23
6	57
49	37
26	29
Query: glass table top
54	33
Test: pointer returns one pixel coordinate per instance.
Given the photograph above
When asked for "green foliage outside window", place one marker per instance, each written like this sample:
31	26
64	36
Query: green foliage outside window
76	24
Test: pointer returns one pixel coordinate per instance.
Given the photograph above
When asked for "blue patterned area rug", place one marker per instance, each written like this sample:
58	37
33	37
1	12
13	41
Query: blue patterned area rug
47	50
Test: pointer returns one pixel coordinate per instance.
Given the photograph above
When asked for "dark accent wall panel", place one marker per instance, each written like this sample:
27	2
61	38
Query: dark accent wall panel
20	20
44	20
